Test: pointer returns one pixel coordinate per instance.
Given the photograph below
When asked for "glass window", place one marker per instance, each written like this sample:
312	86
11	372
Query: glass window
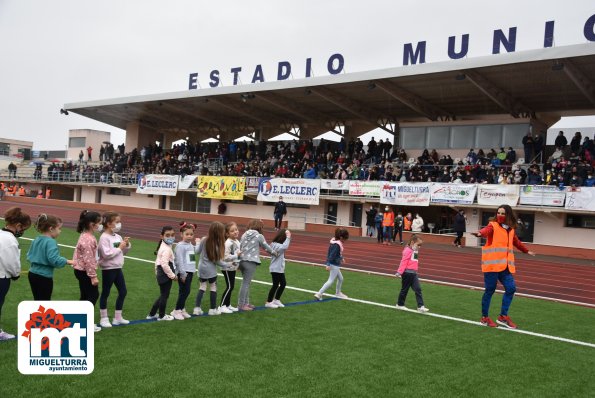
488	136
413	137
77	142
438	137
580	221
462	137
513	134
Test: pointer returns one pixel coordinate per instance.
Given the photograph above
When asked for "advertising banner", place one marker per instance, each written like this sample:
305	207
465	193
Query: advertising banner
293	190
158	184
497	194
542	195
215	187
252	184
405	193
186	181
364	188
581	198
338	185
453	193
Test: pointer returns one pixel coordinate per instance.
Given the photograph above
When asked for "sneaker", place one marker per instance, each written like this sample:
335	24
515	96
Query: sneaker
152	316
104	323
177	314
96	328
120	322
401	242
166	317
278	303
214	311
341	295
401	307
197	311
185	314
6	336
224	310
251	306
318	296
233	309
246	308
270	305
486	321
505	321
423	309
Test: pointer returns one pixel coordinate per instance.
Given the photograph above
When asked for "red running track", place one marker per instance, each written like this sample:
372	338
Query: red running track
553	278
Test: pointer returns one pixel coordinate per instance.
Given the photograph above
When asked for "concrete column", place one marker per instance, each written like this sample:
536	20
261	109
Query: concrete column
354	129
138	135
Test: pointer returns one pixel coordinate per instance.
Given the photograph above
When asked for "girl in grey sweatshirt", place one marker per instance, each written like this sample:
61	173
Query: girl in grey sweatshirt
211	250
185	259
277	268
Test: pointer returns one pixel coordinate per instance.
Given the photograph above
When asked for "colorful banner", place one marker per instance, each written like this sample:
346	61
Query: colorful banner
293	190
453	193
405	193
337	185
497	194
158	184
542	195
186	181
216	187
364	188
580	198
252	184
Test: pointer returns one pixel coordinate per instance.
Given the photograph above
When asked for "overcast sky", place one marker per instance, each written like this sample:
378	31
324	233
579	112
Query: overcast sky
63	51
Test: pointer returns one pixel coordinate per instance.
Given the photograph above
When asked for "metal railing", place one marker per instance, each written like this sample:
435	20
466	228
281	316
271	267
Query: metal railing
318	218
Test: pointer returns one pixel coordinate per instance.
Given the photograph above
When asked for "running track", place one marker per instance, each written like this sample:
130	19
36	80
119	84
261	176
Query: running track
550	277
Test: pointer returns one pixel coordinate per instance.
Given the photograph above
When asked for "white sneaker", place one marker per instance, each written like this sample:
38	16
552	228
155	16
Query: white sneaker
270	305
341	295
96	328
177	314
423	309
152	316
278	303
197	311
318	296
104	323
119	322
214	311
401	307
166	317
225	310
233	309
6	336
185	314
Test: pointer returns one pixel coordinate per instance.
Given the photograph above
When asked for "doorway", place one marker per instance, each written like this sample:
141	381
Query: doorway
331	213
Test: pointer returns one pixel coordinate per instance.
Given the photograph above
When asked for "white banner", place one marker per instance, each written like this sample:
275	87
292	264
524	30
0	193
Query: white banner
453	193
186	181
338	185
252	184
158	184
542	195
581	198
364	188
405	193
293	190
497	194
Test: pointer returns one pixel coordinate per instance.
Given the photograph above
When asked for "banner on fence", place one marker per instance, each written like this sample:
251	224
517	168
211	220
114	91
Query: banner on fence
453	193
252	184
496	195
158	184
405	193
214	187
186	181
542	195
293	190
580	198
338	185
364	188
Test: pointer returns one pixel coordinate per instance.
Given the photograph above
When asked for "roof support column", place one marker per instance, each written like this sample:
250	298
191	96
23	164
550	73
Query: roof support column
139	135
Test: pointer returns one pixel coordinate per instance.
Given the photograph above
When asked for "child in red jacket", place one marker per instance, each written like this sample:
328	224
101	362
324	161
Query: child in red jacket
408	272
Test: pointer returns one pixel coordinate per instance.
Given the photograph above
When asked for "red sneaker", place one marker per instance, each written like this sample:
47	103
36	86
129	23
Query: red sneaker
505	321
486	321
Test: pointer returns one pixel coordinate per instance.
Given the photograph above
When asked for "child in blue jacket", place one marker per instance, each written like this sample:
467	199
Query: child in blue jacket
333	263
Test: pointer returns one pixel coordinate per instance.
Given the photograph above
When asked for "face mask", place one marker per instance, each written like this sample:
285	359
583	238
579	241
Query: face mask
500	218
169	241
118	227
100	228
18	234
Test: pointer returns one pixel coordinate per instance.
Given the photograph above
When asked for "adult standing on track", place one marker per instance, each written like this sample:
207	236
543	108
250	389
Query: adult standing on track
279	212
497	263
388	221
460	227
370	220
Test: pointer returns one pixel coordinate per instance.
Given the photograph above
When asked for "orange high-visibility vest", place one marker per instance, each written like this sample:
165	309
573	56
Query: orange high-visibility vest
12	190
21	191
48	192
2	186
407	224
388	219
498	253
39	195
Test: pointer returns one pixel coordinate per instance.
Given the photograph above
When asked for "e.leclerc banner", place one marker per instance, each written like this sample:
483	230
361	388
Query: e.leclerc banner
364	188
405	193
158	184
497	194
215	187
453	193
293	190
542	195
580	198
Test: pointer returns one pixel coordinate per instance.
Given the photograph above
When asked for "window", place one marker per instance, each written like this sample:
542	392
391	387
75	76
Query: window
580	221
77	142
118	191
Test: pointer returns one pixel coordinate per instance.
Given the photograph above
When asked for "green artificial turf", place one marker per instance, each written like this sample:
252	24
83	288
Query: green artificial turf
324	349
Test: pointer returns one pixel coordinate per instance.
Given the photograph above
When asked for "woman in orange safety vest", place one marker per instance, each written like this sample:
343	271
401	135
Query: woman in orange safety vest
497	263
388	220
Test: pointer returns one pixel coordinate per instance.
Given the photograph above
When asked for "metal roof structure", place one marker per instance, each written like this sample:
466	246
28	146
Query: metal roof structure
544	83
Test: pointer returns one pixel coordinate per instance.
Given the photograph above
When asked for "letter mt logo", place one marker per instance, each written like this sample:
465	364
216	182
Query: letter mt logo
56	337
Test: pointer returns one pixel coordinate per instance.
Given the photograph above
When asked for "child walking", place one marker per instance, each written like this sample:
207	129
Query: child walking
185	261
408	272
85	257
44	257
111	251
211	250
277	268
165	273
334	259
250	244
232	262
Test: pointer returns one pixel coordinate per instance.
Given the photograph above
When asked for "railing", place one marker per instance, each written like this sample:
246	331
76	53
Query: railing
318	218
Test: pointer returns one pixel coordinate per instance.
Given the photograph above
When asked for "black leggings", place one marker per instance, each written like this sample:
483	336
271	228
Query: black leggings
4	286
41	286
161	301
458	238
184	290
230	281
279	284
88	291
112	277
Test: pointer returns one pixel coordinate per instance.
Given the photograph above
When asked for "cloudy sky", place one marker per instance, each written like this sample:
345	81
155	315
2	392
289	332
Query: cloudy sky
64	51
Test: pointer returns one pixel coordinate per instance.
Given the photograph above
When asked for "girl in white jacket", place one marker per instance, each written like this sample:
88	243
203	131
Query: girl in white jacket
418	224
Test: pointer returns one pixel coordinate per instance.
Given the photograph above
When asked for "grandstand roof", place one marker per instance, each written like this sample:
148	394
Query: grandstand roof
547	83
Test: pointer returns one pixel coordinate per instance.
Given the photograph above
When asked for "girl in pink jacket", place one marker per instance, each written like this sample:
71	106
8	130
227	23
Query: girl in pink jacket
408	273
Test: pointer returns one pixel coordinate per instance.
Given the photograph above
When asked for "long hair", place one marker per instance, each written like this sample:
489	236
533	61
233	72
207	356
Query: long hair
215	244
86	219
15	215
511	220
163	231
46	221
256	225
280	237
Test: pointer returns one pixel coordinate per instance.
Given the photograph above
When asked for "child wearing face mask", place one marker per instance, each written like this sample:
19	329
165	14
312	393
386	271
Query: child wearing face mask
85	257
408	273
165	273
111	251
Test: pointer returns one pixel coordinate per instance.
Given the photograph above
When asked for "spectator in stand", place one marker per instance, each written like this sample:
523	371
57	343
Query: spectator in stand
538	147
510	155
561	141
528	147
89	152
590	180
575	143
12	170
534	176
418	223
471	157
370	223
81	156
502	156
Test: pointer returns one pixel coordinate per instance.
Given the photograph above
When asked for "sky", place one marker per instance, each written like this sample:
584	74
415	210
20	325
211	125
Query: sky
65	51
